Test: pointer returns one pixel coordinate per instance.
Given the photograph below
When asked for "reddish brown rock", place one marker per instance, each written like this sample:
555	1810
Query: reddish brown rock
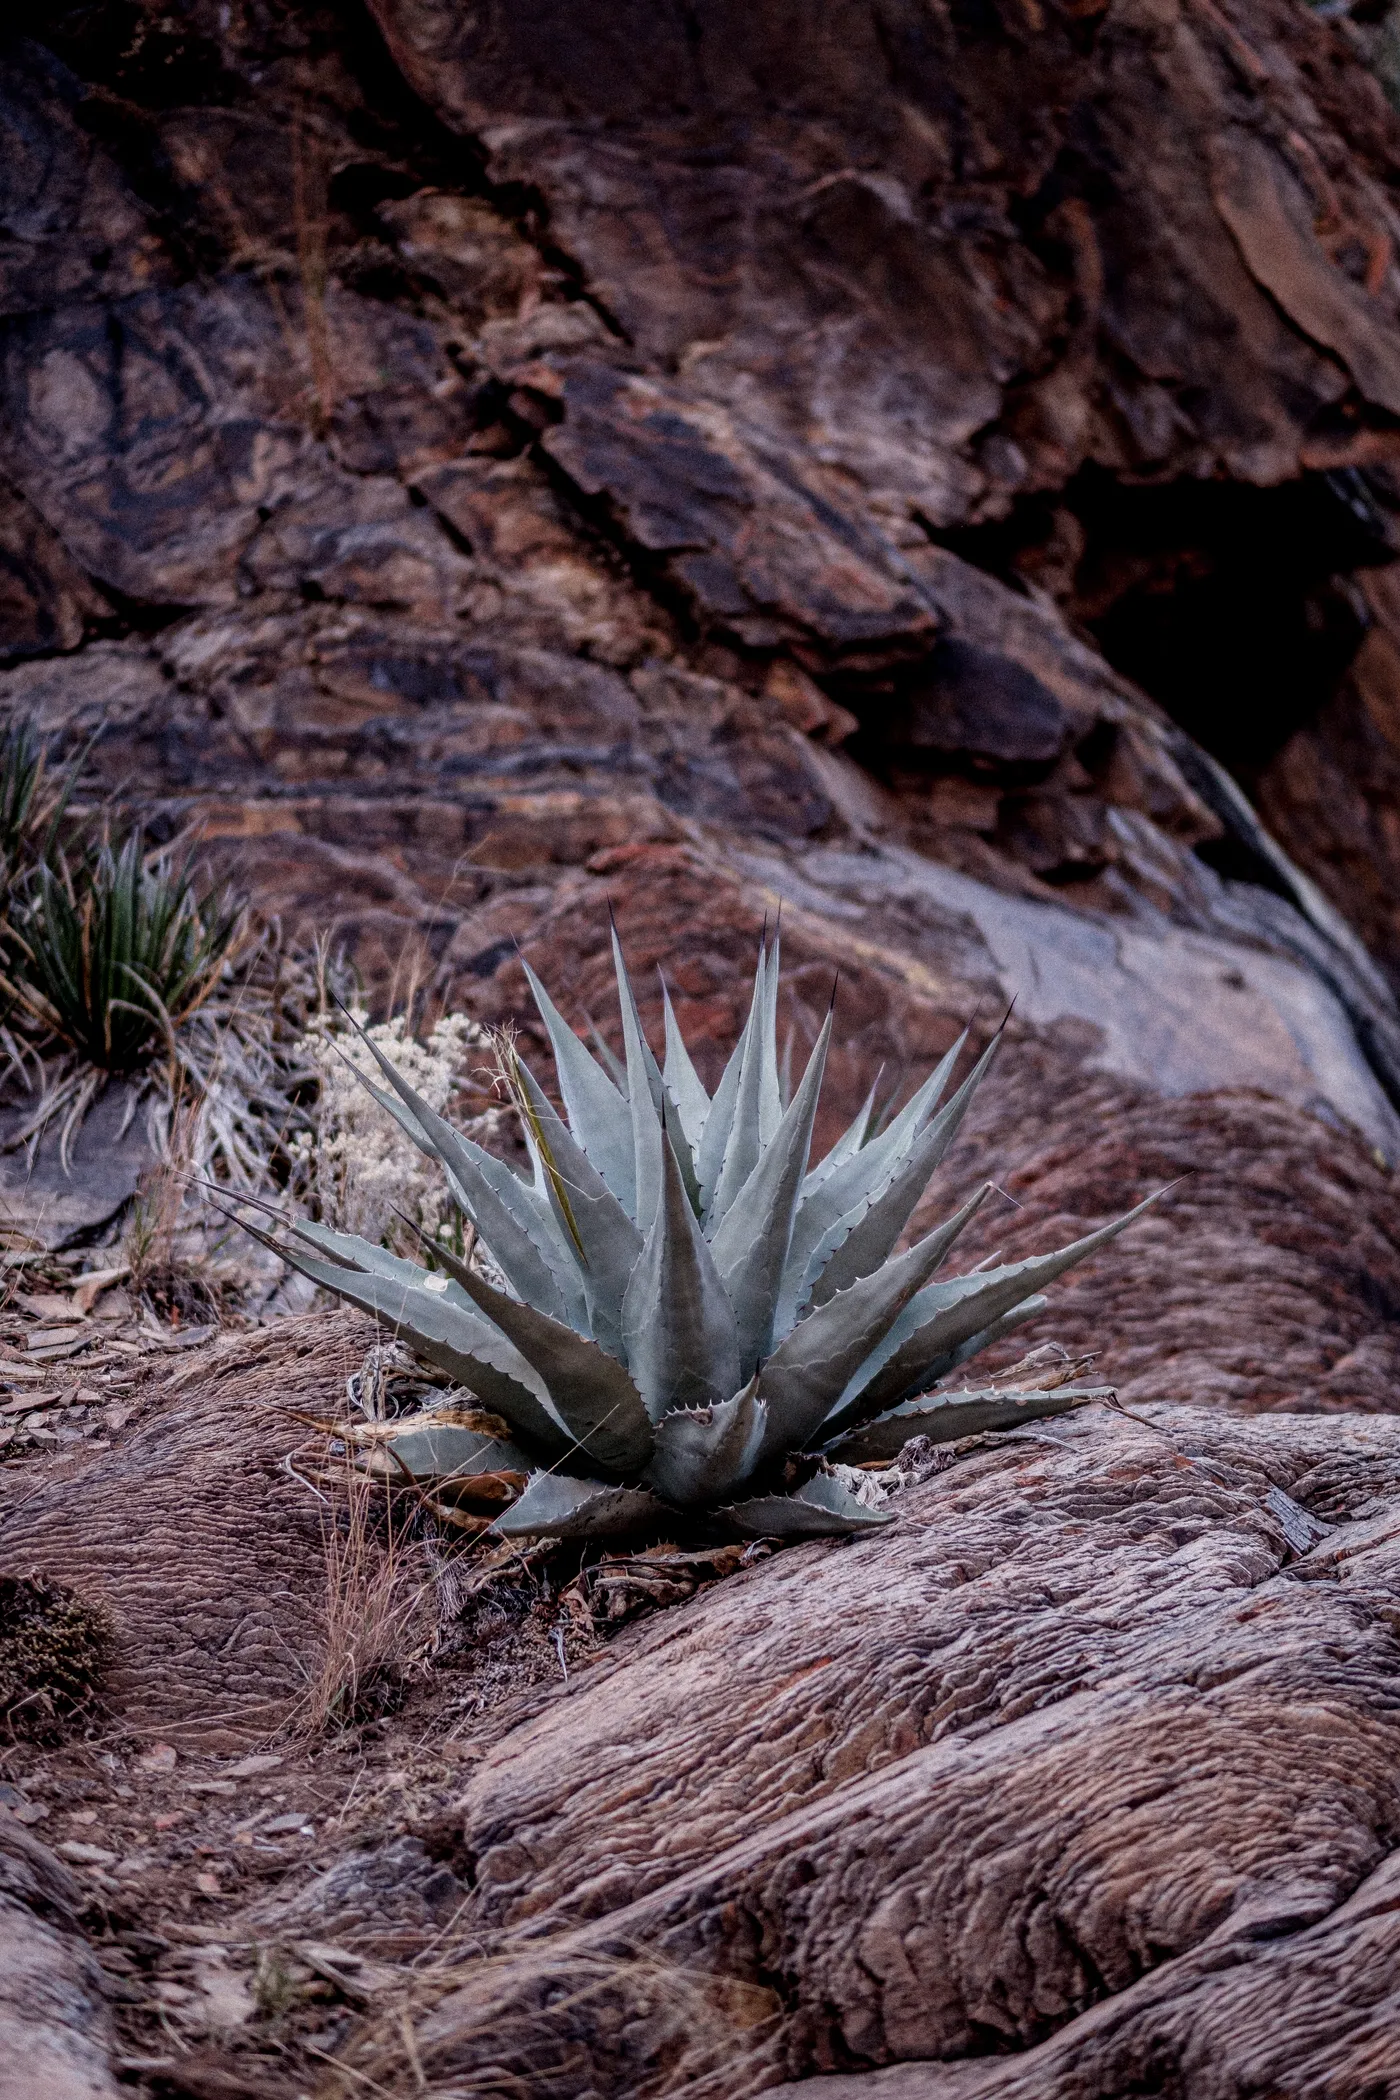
1089	1740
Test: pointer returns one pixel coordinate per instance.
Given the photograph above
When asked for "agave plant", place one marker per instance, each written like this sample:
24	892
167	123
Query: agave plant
690	1302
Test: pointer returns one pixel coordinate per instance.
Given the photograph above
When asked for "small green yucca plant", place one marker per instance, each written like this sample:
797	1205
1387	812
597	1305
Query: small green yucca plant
113	950
691	1303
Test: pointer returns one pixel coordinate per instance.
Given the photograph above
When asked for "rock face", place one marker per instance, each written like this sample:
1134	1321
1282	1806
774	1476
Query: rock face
442	446
217	1597
55	2025
1081	1776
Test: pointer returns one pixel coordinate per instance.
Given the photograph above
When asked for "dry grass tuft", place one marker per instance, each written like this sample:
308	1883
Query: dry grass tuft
467	2026
376	1589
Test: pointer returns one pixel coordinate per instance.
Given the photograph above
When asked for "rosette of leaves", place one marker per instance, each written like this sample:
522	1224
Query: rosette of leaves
692	1303
114	951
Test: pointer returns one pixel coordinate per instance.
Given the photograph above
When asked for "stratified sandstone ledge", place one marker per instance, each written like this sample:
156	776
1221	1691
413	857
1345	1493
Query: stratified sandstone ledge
1109	1720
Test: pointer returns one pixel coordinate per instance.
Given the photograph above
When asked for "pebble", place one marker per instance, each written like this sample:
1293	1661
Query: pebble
250	1767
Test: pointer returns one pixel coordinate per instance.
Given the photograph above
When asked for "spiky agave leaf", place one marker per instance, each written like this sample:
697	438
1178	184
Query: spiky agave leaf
719	1121
943	1417
598	1115
750	1244
824	1208
452	1337
986	1337
942	1315
446	1451
678	1327
811	1368
864	1237
554	1506
510	1216
857	1131
771	1102
682	1081
606	1241
608	1058
592	1393
703	1454
742	1133
644	1098
821	1509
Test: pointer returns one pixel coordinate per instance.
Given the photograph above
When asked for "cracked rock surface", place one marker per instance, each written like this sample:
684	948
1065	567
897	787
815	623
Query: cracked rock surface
55	2024
1087	1770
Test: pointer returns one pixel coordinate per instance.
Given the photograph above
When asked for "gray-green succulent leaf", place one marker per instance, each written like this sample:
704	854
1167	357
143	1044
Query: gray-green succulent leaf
860	1241
751	1241
453	1338
953	1359
824	1508
944	1417
811	1368
719	1122
943	1315
683	1084
690	1300
645	1099
448	1451
599	1117
554	1506
856	1134
703	1454
743	1136
592	1393
830	1209
506	1211
678	1326
597	1222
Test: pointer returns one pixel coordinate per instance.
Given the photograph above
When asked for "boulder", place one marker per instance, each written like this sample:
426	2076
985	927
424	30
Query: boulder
1085	1770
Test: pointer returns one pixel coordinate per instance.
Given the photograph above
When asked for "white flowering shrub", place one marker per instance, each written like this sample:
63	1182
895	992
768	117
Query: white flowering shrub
360	1167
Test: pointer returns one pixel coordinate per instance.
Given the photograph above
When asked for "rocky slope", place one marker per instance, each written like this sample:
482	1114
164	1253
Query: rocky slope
931	469
443	447
1080	1778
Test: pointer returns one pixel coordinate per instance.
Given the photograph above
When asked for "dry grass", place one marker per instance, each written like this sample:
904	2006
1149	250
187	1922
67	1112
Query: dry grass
376	1590
467	2025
